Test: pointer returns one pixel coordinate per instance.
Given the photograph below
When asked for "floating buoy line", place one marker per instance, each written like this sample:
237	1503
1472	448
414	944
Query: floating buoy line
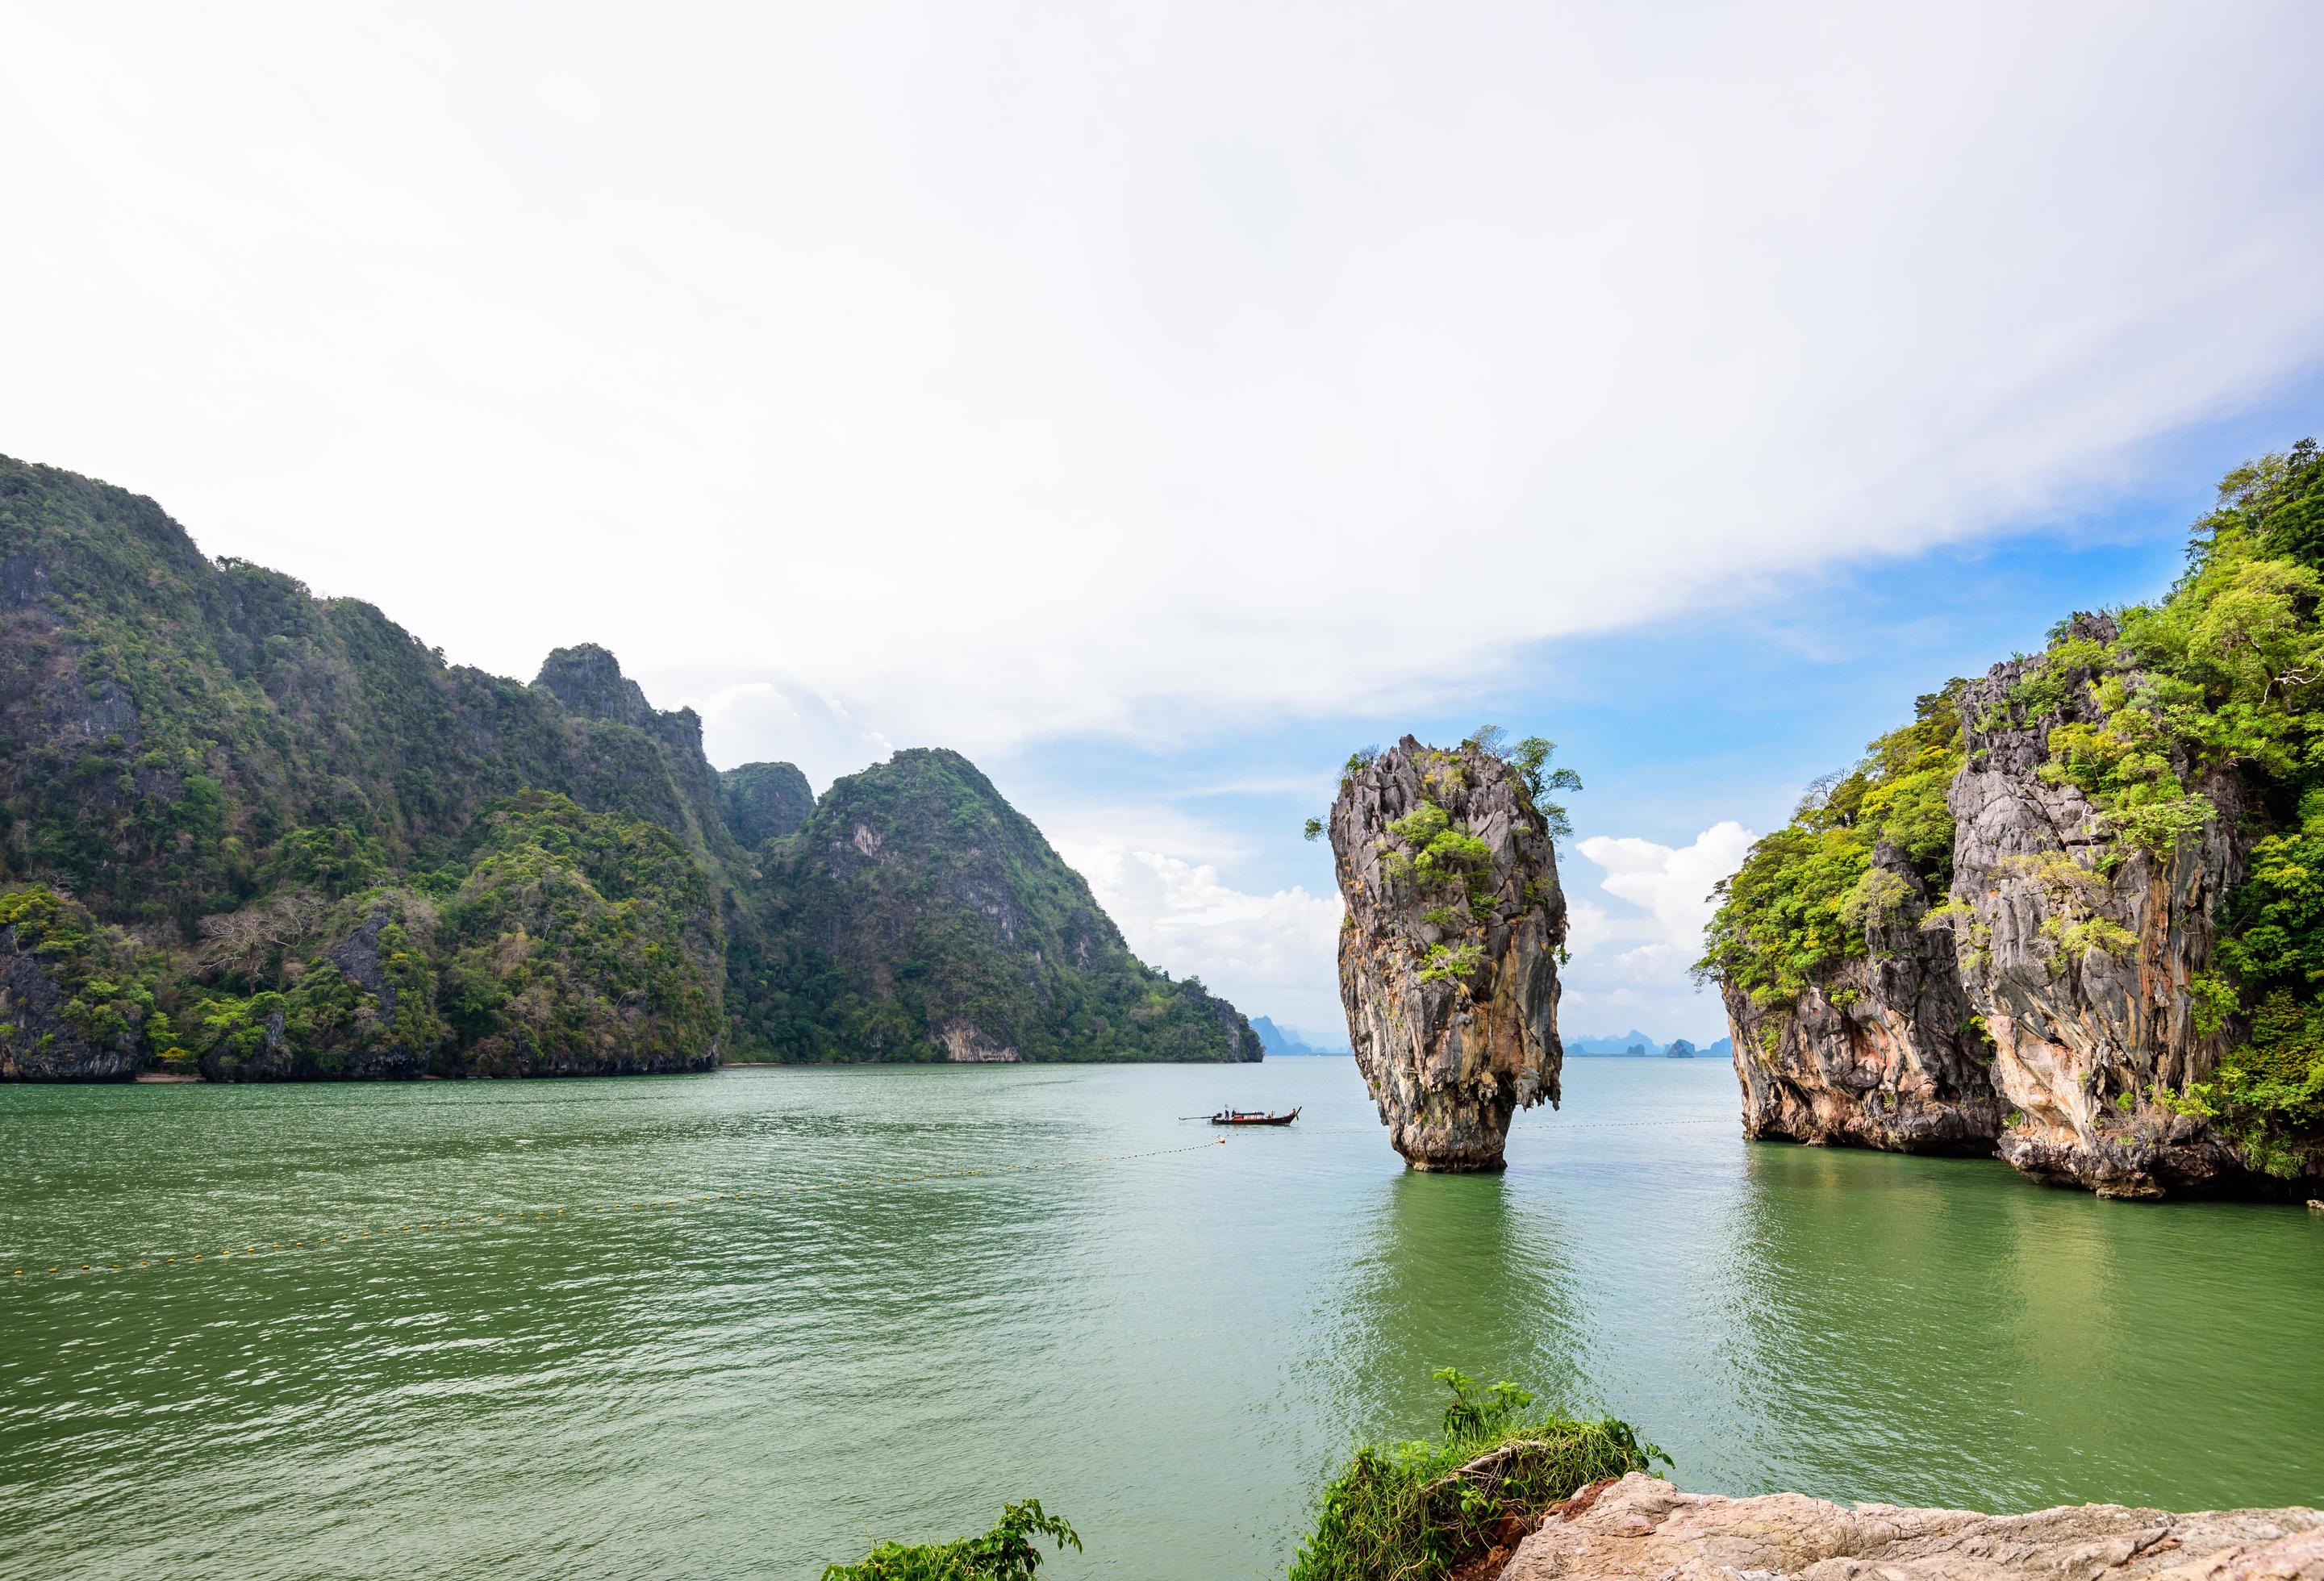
1544	1123
699	1198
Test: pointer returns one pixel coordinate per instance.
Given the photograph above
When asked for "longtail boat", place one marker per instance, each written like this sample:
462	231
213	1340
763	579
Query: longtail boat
1253	1117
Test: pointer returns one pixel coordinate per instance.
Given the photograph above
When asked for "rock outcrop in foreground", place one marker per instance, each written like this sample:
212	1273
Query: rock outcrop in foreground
1641	1527
1448	956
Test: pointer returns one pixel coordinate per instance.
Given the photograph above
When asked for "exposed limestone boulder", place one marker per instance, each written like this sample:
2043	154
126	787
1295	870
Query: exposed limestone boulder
1641	1527
1885	1054
966	1045
1448	956
2078	951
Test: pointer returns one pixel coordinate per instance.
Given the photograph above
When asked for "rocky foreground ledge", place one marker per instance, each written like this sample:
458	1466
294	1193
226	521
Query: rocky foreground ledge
1643	1528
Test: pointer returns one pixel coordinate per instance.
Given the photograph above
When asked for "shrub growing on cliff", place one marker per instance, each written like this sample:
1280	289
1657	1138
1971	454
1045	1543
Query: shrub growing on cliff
1530	758
2218	689
105	979
1798	905
1412	1511
1006	1553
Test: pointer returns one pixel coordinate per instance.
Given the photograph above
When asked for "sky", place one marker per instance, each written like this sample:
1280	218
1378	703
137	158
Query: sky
1156	402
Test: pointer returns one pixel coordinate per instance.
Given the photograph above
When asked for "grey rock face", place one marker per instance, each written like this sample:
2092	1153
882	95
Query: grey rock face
588	680
357	958
37	1042
2081	974
1643	1528
2045	1013
22	580
1884	1055
1450	982
1244	1044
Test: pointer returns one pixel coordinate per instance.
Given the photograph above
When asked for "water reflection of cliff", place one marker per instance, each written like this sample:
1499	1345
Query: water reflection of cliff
1454	1270
1868	1322
1935	1331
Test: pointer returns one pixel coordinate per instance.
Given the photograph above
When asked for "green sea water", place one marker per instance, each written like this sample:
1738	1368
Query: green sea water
1171	1350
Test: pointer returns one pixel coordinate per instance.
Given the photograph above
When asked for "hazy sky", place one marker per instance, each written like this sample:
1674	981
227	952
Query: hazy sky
1156	401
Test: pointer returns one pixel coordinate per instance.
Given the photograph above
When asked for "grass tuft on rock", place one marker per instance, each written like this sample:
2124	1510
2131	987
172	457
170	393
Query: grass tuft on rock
1412	1511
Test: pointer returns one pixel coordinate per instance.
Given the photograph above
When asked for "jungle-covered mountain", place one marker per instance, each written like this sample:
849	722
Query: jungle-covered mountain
916	903
2072	912
265	834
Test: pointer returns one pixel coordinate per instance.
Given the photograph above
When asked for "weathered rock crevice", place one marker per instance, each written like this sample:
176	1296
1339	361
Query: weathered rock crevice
964	1046
1448	956
2078	951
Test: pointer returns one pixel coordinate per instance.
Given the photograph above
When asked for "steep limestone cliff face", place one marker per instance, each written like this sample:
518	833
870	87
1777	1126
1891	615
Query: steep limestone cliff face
2079	950
1448	963
587	679
1882	1053
2051	1009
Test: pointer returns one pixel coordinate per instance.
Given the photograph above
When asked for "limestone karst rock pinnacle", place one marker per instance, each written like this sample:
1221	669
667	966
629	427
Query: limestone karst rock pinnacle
1448	956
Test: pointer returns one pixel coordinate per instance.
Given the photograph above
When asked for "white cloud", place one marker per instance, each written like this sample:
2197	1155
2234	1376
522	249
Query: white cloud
1672	884
1033	369
1632	937
760	721
1270	955
1630	964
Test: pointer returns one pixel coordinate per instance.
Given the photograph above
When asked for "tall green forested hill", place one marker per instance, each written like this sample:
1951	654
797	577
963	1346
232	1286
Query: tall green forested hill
183	736
275	835
915	905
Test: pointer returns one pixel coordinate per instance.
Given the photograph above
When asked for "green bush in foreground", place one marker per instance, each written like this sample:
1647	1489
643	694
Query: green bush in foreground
1412	1511
1005	1553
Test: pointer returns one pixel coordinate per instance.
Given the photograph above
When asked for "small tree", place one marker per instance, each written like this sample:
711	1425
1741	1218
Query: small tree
1005	1553
1530	758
